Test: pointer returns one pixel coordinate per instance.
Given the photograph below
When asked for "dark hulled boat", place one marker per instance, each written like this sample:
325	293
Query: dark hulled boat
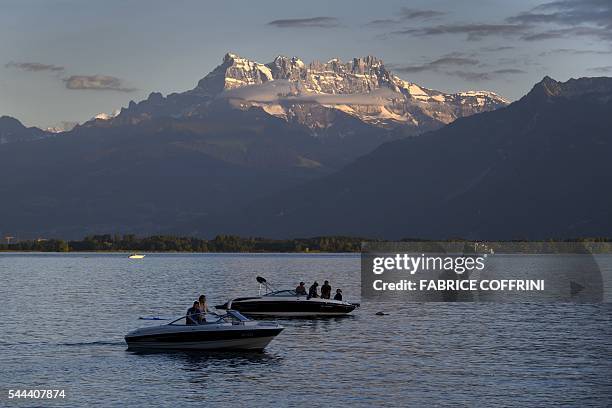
287	303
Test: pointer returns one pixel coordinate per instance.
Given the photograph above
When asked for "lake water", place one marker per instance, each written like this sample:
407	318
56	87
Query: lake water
64	318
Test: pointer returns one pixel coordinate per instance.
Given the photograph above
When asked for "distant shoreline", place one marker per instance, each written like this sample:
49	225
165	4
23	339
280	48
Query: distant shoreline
174	244
232	244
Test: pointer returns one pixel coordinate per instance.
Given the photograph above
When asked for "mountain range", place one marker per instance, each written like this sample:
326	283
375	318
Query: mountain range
294	149
537	169
317	95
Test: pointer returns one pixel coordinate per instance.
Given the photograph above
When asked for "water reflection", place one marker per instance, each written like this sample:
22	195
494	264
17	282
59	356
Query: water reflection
198	360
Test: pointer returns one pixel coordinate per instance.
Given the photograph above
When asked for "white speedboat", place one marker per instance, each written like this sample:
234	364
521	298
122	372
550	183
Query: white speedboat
136	256
287	303
232	331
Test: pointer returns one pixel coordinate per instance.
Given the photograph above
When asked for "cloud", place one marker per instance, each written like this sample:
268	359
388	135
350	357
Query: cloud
282	91
508	71
318	22
601	70
90	82
473	32
495	49
552	20
578	17
408	14
267	92
96	83
573	51
34	67
484	76
383	22
377	97
600	33
438	63
568	12
412	14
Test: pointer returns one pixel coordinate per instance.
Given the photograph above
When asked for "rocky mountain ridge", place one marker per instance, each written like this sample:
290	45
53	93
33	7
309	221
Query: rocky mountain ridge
12	130
316	94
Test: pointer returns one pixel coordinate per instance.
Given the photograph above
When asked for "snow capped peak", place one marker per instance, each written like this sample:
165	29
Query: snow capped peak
64	126
288	88
488	94
230	56
283	60
106	116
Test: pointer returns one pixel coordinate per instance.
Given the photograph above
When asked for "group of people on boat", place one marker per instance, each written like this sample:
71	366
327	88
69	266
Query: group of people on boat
196	314
326	290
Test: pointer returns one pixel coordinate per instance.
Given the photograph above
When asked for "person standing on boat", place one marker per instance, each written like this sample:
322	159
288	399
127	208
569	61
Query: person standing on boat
301	289
202	308
325	290
312	292
338	295
193	313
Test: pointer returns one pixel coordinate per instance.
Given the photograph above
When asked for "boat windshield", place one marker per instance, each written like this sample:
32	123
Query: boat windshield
211	318
236	314
282	293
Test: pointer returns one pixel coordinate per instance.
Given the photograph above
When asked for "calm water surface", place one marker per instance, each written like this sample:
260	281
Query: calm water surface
64	318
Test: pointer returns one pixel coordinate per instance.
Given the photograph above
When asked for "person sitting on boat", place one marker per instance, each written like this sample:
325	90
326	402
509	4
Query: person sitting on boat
326	290
338	295
312	292
301	289
193	314
203	309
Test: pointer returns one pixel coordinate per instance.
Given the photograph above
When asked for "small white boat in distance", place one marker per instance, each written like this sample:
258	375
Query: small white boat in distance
136	256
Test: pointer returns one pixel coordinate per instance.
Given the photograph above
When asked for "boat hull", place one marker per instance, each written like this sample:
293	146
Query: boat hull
255	344
200	339
296	307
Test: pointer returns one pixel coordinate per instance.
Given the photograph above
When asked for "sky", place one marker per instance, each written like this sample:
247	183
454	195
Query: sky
68	60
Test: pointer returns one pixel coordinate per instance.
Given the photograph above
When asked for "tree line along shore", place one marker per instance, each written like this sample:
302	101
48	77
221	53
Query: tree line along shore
163	243
232	243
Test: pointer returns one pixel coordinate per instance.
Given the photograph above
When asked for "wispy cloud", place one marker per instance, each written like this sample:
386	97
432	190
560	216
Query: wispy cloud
577	17
286	91
460	65
472	32
476	76
383	22
317	22
35	66
552	20
601	70
90	82
96	83
604	34
573	51
436	64
496	49
569	12
416	14
408	14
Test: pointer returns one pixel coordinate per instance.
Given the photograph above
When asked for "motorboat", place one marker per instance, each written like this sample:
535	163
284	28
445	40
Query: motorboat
231	331
136	256
287	303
